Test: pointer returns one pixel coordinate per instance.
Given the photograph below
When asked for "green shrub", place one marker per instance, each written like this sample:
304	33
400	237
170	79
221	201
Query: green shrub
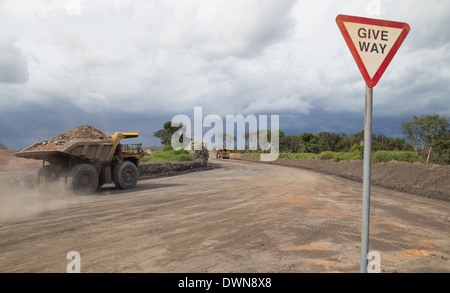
354	154
402	156
326	155
297	155
304	156
169	156
167	148
346	156
357	150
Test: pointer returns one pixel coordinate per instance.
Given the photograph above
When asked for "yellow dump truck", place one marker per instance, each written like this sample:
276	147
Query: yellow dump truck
223	153
84	165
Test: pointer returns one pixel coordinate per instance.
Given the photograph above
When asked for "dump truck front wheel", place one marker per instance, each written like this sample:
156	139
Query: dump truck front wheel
83	178
125	175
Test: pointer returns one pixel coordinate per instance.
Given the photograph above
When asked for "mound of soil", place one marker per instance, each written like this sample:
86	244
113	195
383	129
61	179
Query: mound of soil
202	154
63	139
417	178
9	163
3	147
159	169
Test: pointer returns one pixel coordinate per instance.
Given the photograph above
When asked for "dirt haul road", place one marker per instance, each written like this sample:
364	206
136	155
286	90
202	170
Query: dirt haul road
238	217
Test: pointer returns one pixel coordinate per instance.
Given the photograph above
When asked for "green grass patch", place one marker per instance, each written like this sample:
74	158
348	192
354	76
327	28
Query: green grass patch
171	156
402	156
340	156
298	156
354	154
326	155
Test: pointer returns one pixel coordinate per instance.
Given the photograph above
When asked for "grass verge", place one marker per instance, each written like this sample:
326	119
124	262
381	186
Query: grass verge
387	156
171	156
378	156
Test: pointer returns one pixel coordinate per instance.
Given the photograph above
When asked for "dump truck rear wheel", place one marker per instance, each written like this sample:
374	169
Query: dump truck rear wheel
125	175
83	178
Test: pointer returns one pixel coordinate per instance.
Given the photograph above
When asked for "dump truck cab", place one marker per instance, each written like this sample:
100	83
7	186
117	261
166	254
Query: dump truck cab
130	152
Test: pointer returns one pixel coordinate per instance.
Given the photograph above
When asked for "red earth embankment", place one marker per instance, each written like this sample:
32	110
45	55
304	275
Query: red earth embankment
427	180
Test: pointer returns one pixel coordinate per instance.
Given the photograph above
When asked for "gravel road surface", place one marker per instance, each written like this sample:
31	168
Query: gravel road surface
238	217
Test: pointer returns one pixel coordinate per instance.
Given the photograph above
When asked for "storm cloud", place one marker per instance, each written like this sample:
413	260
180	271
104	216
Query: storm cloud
13	64
133	65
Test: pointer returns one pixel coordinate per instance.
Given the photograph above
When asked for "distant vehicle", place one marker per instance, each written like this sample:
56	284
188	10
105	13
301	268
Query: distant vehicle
84	165
223	153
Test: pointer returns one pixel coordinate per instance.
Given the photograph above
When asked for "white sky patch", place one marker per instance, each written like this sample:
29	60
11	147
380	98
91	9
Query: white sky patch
91	102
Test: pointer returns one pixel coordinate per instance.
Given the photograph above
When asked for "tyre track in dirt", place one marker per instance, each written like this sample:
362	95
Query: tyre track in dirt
237	217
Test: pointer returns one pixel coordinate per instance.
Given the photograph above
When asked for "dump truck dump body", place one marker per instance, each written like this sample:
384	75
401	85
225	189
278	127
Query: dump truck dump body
99	150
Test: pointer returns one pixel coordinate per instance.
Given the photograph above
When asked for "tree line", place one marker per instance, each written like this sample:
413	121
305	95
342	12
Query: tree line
427	135
338	142
430	137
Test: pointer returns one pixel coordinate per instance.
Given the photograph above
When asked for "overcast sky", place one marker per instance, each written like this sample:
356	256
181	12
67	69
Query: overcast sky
131	65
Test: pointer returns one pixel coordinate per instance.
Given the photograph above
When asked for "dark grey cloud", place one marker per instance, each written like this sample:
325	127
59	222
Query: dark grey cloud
350	123
13	64
135	64
35	123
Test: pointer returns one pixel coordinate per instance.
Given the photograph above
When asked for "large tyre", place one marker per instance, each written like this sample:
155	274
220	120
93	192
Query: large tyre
83	178
125	175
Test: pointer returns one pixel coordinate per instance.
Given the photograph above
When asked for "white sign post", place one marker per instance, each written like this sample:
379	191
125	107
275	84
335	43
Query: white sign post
373	43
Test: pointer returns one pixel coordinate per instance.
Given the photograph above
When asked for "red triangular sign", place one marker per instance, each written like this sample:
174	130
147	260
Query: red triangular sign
372	42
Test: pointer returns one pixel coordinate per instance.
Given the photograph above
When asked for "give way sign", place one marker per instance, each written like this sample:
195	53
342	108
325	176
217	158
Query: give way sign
372	42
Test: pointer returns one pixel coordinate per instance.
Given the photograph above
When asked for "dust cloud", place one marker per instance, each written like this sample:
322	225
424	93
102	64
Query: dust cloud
20	199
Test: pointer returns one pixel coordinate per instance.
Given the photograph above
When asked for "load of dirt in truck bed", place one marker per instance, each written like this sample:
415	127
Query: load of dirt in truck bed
63	139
